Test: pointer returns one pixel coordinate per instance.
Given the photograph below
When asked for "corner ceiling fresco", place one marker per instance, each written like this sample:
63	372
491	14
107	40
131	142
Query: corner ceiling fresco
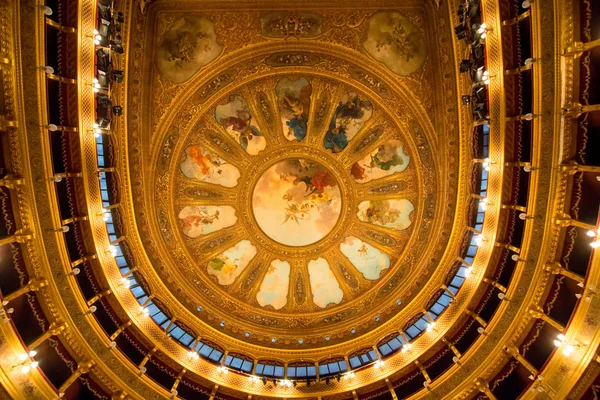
297	169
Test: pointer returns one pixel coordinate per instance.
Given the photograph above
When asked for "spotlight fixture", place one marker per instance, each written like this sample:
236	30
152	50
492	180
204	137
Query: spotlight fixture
117	111
466	65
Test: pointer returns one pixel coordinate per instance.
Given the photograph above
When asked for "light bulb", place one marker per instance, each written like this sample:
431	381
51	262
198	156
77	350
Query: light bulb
32	353
557	343
528	168
591	233
34	364
568	350
560	337
52	127
96	32
23	357
468	272
595	244
25	369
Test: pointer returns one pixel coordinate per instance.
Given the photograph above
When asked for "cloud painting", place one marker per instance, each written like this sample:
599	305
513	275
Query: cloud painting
368	260
323	284
274	287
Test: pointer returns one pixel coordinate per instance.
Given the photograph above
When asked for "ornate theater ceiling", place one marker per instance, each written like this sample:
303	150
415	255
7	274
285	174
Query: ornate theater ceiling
293	174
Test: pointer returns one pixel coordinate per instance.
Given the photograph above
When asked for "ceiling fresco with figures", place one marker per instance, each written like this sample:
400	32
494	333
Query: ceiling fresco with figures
293	173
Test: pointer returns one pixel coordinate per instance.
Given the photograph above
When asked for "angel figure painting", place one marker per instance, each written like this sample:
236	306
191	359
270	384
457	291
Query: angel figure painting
202	220
324	286
348	119
235	116
188	44
393	214
296	202
202	165
274	287
386	160
293	99
227	266
368	260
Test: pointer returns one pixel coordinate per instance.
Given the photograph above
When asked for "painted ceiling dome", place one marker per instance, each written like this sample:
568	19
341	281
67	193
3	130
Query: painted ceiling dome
294	190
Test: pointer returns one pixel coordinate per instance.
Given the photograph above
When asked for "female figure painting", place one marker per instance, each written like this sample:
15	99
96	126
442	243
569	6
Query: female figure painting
300	194
202	220
386	160
204	166
293	99
274	287
323	284
348	119
392	214
229	265
236	118
367	259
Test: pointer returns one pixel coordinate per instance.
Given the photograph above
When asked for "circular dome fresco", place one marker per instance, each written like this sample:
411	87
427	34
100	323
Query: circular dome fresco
294	197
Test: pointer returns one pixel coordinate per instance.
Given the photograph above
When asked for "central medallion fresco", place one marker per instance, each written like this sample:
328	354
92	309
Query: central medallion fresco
297	202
